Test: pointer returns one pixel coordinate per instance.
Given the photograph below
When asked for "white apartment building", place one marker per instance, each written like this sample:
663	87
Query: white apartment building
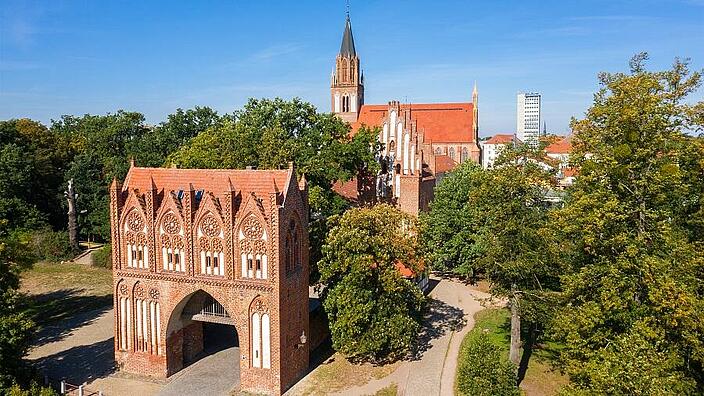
491	149
528	117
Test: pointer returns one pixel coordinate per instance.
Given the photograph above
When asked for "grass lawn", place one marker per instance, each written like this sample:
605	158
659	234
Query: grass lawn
58	291
541	378
337	374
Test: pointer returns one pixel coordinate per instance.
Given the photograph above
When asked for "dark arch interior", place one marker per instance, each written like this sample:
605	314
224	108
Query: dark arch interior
207	328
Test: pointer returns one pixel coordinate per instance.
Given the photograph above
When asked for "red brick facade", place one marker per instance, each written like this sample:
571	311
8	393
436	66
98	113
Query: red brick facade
183	238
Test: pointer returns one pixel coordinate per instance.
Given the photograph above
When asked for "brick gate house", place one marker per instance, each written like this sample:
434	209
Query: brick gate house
205	257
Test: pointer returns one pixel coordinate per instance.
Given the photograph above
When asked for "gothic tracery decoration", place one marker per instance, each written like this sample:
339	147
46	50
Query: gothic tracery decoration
139	291
123	289
210	226
252	228
154	294
171	224
135	221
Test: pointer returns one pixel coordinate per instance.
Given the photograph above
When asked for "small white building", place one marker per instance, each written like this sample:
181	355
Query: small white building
491	149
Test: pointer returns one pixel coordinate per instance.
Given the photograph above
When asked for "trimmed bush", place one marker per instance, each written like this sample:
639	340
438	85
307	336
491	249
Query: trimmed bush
103	257
483	370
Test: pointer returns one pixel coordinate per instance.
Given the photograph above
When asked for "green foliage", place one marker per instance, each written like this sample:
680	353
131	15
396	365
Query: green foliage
449	229
34	390
374	313
633	312
15	326
51	245
483	368
31	162
103	257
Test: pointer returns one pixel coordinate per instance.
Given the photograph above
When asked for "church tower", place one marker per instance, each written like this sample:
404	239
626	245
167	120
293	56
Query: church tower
347	80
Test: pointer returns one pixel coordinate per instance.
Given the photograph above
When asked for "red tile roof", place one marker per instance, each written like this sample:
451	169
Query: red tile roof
500	139
440	122
444	163
347	190
261	182
562	146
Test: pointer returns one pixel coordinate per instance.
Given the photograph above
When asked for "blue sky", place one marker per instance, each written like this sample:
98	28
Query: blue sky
76	57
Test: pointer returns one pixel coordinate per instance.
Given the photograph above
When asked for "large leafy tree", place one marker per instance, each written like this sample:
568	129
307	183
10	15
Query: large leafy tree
100	149
15	325
32	160
633	317
514	237
449	228
374	313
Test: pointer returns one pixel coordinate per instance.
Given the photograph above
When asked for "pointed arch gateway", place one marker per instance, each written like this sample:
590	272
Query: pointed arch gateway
199	326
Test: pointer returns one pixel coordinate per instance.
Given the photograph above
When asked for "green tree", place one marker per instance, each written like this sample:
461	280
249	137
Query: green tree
160	141
15	326
633	312
449	228
32	160
516	243
483	369
374	313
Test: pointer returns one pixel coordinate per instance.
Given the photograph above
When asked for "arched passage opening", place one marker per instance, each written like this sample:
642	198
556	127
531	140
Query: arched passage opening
199	327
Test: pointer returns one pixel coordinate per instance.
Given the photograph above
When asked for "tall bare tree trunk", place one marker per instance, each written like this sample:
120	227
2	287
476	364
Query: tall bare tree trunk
513	354
72	222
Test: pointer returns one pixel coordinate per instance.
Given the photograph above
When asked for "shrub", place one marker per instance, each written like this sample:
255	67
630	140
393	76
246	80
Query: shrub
51	245
483	371
34	390
103	257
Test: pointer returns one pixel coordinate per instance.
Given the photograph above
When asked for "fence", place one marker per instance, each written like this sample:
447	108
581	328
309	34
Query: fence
66	388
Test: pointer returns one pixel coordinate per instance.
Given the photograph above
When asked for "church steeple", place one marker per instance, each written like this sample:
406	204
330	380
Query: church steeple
347	47
347	81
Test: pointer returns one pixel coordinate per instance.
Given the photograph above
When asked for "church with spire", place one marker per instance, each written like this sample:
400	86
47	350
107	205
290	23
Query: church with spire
421	142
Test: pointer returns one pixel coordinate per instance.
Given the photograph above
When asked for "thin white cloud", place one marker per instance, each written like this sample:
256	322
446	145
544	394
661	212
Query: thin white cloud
276	51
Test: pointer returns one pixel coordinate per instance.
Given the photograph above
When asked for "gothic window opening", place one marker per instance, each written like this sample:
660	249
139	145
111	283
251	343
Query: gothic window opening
292	248
148	321
465	154
438	151
261	336
210	242
253	249
345	104
452	152
136	247
172	252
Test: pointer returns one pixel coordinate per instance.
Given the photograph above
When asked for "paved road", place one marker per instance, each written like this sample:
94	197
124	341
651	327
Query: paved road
216	374
432	371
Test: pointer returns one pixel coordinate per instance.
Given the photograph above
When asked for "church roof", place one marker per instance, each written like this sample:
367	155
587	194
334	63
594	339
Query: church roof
260	182
440	122
347	47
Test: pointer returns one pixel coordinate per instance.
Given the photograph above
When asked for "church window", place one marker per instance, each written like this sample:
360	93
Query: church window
345	104
438	151
452	152
465	154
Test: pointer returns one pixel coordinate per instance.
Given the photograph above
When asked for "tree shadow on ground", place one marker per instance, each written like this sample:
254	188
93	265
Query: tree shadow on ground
83	363
59	312
439	319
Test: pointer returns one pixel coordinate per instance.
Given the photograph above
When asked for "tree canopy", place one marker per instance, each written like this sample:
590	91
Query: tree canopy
374	313
633	313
